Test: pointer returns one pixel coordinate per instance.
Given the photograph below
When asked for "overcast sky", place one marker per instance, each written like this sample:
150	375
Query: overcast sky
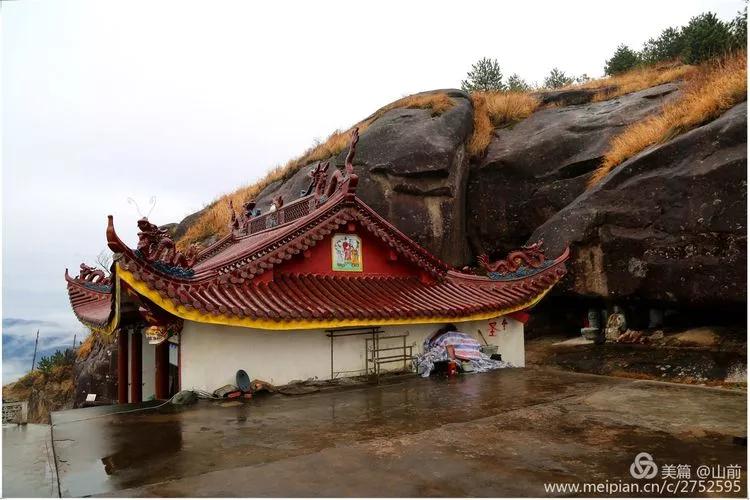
183	101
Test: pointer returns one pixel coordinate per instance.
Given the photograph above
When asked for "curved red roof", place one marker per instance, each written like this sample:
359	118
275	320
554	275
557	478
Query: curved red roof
269	272
92	302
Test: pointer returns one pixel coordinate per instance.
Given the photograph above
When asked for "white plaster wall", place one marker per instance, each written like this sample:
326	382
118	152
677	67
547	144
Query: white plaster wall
149	369
212	354
508	338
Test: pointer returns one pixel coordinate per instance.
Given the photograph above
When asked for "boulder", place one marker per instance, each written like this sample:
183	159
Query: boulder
290	190
668	225
96	373
413	169
568	97
179	230
538	166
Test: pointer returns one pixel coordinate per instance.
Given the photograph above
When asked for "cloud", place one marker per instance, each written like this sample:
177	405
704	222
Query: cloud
11	322
14	369
19	337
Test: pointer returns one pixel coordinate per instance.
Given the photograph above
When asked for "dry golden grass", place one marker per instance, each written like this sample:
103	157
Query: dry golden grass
491	110
510	107
215	221
497	109
710	90
94	339
637	79
483	128
85	348
20	390
60	377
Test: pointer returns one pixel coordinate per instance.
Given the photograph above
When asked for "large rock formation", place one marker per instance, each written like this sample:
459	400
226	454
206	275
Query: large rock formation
413	170
537	167
95	373
666	226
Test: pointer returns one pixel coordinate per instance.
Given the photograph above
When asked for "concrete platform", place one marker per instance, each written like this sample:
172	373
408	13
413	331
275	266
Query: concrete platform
502	433
28	464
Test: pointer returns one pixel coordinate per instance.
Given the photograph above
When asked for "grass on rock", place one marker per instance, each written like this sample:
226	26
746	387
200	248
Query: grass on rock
215	221
494	110
709	91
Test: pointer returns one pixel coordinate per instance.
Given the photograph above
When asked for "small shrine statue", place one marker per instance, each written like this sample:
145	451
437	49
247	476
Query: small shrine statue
616	325
249	208
276	203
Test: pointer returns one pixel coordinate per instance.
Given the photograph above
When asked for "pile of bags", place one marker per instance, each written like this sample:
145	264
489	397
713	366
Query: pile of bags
463	348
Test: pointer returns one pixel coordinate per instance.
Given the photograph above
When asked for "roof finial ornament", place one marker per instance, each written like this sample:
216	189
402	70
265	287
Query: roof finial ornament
318	177
234	221
156	245
346	181
352	150
92	275
350	183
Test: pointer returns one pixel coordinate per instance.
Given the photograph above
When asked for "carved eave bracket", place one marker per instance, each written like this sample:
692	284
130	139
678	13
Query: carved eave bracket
160	324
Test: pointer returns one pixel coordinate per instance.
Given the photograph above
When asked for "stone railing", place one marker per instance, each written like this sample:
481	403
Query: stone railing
287	213
15	412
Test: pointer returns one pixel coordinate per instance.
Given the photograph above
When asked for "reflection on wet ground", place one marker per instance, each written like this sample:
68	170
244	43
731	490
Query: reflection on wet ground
28	464
493	434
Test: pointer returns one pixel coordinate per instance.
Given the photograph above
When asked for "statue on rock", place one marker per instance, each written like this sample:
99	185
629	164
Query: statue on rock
616	325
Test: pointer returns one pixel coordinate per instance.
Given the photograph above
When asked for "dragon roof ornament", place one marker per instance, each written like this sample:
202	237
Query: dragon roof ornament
157	247
519	263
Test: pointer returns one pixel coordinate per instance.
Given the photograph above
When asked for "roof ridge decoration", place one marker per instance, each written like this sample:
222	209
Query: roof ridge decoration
92	278
320	191
157	248
525	261
91	294
218	285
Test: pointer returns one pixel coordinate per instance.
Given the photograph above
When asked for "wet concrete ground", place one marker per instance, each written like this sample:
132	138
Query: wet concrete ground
502	433
28	464
713	365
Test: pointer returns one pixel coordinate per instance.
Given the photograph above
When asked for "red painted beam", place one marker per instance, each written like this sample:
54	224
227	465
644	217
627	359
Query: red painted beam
136	367
122	366
162	370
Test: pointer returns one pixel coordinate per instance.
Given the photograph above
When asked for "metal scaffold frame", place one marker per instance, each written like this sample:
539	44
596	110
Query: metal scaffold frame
373	358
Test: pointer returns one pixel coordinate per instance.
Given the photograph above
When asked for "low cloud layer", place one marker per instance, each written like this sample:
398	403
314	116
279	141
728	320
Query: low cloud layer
19	336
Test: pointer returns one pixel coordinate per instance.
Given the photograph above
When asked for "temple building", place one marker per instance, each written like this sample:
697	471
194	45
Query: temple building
321	287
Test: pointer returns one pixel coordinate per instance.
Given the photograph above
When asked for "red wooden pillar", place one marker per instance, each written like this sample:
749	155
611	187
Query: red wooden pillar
122	366
179	362
136	367
162	370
